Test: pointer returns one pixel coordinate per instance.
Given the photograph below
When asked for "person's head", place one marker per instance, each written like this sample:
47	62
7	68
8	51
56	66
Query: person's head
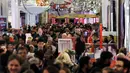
84	62
107	70
40	31
29	41
51	32
34	60
106	57
120	55
121	66
50	69
63	59
123	50
21	41
95	36
10	47
14	64
67	30
40	43
50	40
49	53
29	71
2	46
33	31
111	37
20	31
34	42
31	48
64	70
22	52
105	39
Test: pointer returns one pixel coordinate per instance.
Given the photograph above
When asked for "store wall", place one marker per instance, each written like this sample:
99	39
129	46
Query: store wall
127	25
30	19
105	19
15	14
3	7
0	8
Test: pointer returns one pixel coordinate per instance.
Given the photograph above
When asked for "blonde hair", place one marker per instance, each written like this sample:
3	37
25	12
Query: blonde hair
121	55
63	58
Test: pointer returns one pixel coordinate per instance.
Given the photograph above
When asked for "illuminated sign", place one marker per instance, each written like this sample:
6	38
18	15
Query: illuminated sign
3	23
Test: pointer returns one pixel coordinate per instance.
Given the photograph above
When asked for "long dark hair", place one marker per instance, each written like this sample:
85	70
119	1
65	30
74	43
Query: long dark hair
52	69
15	57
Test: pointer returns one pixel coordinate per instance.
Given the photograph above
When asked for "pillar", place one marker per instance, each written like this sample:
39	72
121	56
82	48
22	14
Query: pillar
111	15
30	19
127	26
4	8
0	7
105	19
15	22
117	21
121	28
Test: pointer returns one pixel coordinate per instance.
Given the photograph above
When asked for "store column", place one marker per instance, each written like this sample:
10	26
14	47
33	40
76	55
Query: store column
15	22
30	19
0	7
127	26
4	8
105	18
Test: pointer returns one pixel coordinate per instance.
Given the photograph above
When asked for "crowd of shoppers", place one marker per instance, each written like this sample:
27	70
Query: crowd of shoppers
38	53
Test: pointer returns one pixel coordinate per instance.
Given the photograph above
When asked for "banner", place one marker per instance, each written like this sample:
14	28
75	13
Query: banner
3	23
64	44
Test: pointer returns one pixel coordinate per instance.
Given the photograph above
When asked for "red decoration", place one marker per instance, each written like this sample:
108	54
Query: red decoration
11	39
101	38
74	42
